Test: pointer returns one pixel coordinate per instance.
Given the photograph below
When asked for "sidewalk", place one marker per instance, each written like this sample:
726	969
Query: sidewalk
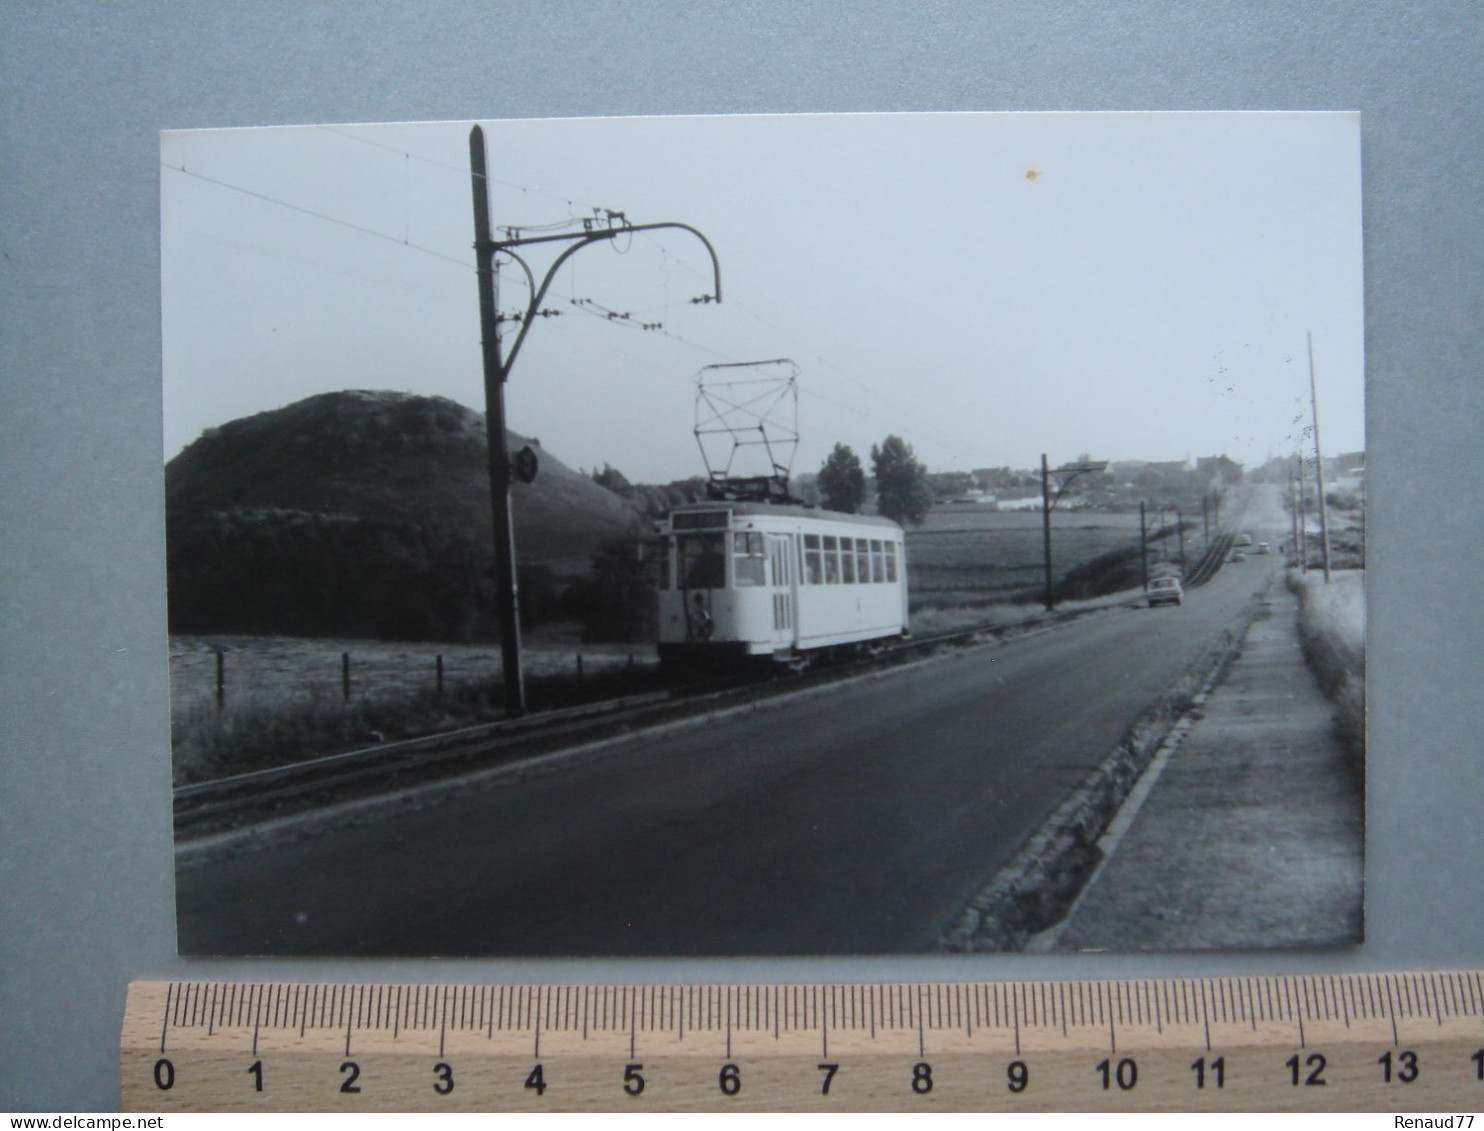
1252	834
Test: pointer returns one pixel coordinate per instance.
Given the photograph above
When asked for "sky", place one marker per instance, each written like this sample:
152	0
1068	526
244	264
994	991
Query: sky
990	287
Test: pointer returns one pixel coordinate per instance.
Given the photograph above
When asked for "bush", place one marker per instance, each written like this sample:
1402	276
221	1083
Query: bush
617	600
1332	629
274	571
1112	572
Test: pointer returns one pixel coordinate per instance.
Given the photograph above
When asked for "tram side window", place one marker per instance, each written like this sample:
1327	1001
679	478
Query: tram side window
878	566
703	563
891	562
847	561
813	563
831	560
863	561
748	565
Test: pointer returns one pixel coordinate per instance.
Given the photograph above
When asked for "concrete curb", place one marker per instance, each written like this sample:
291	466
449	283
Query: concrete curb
1033	892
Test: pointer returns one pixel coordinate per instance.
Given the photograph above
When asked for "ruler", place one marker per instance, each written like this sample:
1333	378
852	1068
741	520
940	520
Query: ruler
1354	1042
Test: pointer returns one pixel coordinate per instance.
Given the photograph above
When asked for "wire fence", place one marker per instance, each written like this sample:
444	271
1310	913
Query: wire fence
227	672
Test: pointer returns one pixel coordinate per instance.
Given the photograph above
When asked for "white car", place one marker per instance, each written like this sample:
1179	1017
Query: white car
1164	590
1264	548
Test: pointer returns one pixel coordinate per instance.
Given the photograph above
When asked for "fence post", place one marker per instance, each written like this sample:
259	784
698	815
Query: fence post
345	675
221	679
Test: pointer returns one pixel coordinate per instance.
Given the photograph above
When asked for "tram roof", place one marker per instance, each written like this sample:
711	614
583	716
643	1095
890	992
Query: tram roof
786	510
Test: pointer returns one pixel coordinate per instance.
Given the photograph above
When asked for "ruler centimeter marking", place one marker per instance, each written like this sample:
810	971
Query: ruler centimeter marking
1349	1042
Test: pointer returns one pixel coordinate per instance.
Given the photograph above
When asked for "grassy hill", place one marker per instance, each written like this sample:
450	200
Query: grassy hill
366	513
384	455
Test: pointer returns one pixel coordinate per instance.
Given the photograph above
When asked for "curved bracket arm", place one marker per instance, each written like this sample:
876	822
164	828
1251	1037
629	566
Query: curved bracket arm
524	266
1062	490
586	240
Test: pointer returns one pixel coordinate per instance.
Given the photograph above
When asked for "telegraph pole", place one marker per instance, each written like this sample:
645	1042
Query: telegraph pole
1319	465
507	593
1180	537
497	373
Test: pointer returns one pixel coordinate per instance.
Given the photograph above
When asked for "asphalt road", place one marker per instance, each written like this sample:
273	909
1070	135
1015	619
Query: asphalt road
857	819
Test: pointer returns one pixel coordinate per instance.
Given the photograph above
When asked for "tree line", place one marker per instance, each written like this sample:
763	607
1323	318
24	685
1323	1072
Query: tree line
903	491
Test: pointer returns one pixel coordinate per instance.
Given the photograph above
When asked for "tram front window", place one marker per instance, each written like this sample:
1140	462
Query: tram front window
749	561
702	562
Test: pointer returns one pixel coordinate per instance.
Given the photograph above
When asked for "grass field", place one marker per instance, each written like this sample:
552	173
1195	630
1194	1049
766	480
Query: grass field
284	696
969	555
278	669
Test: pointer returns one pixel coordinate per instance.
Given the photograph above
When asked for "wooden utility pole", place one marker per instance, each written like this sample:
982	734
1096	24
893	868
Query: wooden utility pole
507	595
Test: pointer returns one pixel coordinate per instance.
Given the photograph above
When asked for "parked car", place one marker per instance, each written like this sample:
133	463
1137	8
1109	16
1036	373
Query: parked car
1239	556
1165	590
1264	548
1244	540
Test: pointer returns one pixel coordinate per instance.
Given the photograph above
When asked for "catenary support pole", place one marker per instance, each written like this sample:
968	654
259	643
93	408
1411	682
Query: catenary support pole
1046	528
507	595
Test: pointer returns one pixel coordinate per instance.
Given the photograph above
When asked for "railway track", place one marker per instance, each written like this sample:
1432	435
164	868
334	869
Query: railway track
227	803
1215	557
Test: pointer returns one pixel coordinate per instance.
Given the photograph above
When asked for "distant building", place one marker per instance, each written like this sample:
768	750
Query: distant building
947	484
1018	499
1347	472
995	478
1129	467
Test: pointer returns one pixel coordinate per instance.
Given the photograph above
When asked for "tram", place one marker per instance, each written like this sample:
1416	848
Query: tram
752	579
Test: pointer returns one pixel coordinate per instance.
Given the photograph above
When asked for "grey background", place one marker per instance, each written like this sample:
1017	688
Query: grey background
85	860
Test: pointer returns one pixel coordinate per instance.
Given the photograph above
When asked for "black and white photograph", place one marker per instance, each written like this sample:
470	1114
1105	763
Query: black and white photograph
766	535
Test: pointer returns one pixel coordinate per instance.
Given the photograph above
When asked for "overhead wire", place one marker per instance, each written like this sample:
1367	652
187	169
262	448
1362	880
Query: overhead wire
211	237
361	228
572	202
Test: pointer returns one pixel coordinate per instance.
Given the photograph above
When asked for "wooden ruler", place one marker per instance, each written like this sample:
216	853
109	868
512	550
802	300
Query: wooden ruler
1358	1042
